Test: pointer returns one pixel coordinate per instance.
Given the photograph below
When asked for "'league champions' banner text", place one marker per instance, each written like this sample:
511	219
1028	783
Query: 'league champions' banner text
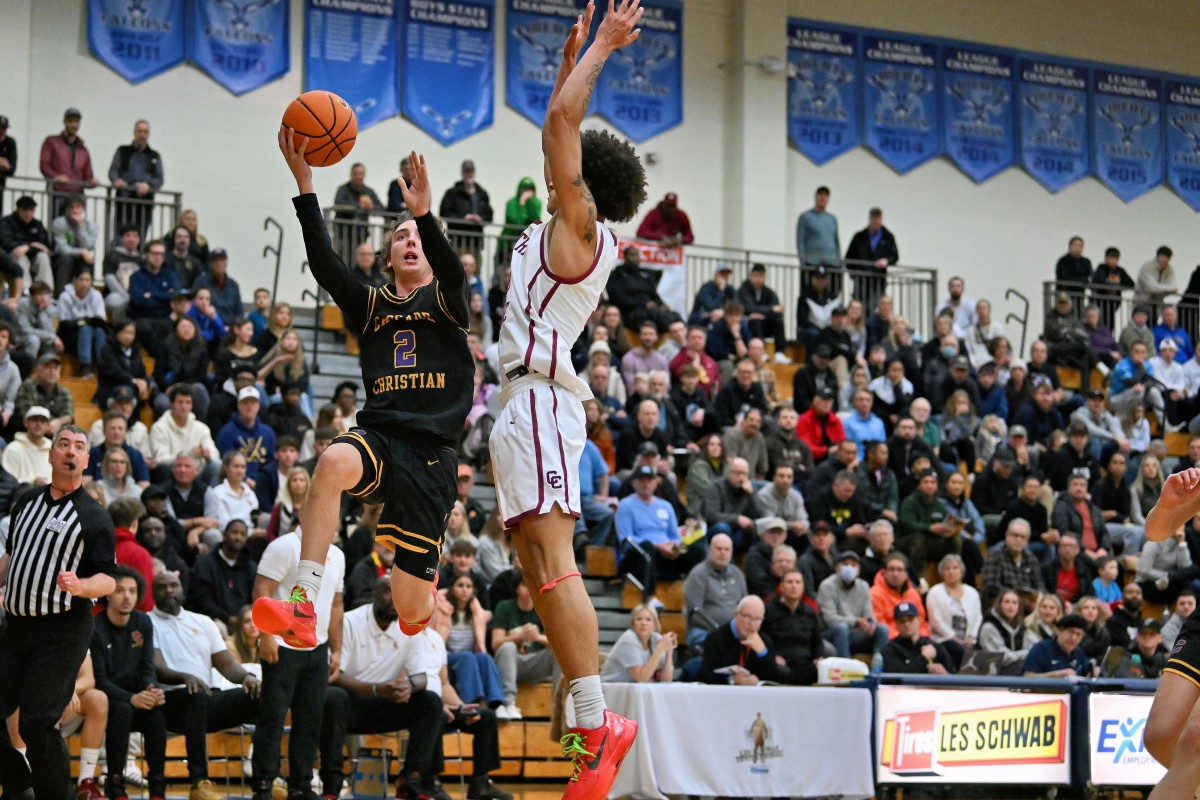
909	98
350	50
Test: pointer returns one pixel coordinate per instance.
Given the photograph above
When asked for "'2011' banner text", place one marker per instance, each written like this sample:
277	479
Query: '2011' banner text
138	40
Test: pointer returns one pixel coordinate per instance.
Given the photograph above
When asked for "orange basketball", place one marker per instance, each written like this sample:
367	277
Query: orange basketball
328	122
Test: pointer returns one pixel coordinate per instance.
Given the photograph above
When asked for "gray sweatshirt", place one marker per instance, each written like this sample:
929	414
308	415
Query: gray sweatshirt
844	604
715	593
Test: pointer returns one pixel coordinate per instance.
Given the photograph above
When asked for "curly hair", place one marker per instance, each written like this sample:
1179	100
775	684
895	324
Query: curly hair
389	237
614	174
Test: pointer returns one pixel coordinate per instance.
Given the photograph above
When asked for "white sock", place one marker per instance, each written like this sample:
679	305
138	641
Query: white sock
588	701
88	756
21	750
308	578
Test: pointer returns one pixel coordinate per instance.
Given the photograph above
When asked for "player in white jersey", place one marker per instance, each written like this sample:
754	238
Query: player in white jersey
558	272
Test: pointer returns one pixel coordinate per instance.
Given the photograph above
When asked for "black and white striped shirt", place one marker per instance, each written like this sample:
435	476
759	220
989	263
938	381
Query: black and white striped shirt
48	536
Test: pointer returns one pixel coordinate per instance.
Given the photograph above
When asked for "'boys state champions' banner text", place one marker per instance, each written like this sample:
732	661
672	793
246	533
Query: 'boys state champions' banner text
449	49
537	30
823	113
138	39
241	44
640	92
351	50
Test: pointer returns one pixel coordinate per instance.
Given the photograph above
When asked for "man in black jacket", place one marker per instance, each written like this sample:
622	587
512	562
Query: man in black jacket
1073	458
874	249
763	309
795	628
730	507
904	446
1126	618
741	647
136	173
910	652
467	204
813	377
1068	515
222	582
123	661
27	241
635	291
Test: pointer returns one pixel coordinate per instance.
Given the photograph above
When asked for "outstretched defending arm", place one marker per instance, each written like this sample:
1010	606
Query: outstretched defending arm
447	266
573	243
1178	502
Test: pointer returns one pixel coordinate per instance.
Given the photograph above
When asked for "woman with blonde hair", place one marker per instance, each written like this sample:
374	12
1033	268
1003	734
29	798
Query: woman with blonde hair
643	653
116	479
279	322
1042	621
284	365
285	515
199	246
457	529
243	640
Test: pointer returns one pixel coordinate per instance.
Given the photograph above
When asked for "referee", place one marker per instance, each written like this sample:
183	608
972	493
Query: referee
59	555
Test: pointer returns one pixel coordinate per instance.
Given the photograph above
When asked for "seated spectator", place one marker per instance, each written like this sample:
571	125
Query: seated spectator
462	623
892	586
644	357
1059	656
82	322
495	549
1068	575
739	642
43	389
861	425
235	352
840	508
877	483
222	582
462	561
1075	457
881	542
115	481
597	510
151	289
1166	568
520	645
712	297
691	405
1028	506
815	305
152	535
820	559
224	291
1169	328
1127	617
232	498
457	529
121	363
955	613
648	534
740	394
665	490
960	508
120	262
764	312
765	559
730	507
891	394
1103	428
287	418
1009	564
1105	585
184	359
186	501
814	378
1075	513
116	438
208	320
1002	631
712	590
781	499
926	531
912	652
1042	621
707	466
180	431
10	378
1149	646
728	337
745	441
362	577
382	686
992	399
27	457
645	430
246	434
1096	640
1039	418
818	427
847	611
285	365
904	447
25	239
842	457
1111	493
1185	606
693	354
793	621
1128	387
643	653
271	484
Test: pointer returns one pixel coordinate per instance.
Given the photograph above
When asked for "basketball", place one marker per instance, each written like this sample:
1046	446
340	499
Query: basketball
328	122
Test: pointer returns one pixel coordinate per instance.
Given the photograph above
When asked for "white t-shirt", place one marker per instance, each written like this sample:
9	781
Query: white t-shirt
431	657
187	642
281	562
373	655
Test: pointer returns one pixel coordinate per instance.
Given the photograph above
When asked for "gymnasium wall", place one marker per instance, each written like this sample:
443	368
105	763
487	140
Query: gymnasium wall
729	161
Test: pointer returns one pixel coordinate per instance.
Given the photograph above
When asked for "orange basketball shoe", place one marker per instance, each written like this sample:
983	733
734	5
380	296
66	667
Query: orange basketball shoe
413	628
294	619
597	755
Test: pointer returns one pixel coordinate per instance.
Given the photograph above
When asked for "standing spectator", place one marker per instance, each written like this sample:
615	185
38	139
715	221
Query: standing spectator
27	457
53	572
75	240
1073	269
82	323
523	209
222	582
1109	281
712	297
666	223
8	157
25	239
520	644
892	587
911	651
963	308
764	312
817	242
712	590
225	292
1156	278
466	207
65	159
354	202
136	173
1009	564
294	677
874	249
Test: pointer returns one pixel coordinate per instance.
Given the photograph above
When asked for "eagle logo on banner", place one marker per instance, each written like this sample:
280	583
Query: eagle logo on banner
981	100
243	11
903	91
1055	110
816	87
241	44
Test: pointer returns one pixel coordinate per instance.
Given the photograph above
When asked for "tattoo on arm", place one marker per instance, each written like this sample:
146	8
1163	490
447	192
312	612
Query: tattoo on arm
585	194
593	76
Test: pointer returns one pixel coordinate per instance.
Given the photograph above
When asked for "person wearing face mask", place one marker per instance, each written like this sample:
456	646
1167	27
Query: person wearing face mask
793	621
846	609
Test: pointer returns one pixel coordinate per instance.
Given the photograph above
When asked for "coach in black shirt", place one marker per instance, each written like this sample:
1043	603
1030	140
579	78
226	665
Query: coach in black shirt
59	555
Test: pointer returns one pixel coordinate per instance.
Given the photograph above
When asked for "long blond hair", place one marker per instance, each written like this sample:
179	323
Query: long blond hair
297	369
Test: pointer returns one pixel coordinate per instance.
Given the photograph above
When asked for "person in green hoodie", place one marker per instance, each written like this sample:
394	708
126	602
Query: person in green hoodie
522	209
927	532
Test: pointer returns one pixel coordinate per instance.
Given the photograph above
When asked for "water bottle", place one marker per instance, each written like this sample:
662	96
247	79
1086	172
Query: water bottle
877	663
1135	665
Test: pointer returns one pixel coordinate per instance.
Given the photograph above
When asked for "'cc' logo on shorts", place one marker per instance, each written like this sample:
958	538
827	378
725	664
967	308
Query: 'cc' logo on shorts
554	479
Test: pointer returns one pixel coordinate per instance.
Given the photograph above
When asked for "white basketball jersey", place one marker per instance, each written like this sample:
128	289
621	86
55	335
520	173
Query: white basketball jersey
544	314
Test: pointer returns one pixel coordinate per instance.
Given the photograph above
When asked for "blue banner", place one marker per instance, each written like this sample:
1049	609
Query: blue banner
1127	131
352	50
1183	140
641	89
138	39
900	112
1053	121
537	30
823	111
448	72
978	117
241	44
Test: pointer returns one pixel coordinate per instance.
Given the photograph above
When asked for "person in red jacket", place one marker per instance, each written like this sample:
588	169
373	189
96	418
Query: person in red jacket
66	161
891	588
666	223
125	512
820	429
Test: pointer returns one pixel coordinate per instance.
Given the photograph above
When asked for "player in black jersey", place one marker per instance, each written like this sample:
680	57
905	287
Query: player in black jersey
419	377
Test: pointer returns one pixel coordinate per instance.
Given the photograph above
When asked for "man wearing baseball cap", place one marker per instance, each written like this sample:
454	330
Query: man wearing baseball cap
466	207
1060	657
1149	645
226	294
911	653
667	223
65	159
249	435
42	389
819	427
8	157
27	457
1102	425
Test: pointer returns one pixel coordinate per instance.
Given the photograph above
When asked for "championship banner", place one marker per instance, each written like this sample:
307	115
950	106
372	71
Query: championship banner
138	39
241	44
640	92
1127	131
978	120
971	736
900	115
352	50
1183	140
448	72
671	263
823	115
1117	754
537	30
1053	121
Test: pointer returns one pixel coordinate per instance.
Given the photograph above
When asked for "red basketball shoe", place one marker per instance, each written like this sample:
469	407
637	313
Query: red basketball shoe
294	619
597	756
413	628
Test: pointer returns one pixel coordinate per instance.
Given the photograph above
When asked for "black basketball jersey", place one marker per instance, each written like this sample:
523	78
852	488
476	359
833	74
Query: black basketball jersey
417	369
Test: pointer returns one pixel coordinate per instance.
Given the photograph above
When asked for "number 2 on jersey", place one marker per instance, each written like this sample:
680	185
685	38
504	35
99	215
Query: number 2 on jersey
406	349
